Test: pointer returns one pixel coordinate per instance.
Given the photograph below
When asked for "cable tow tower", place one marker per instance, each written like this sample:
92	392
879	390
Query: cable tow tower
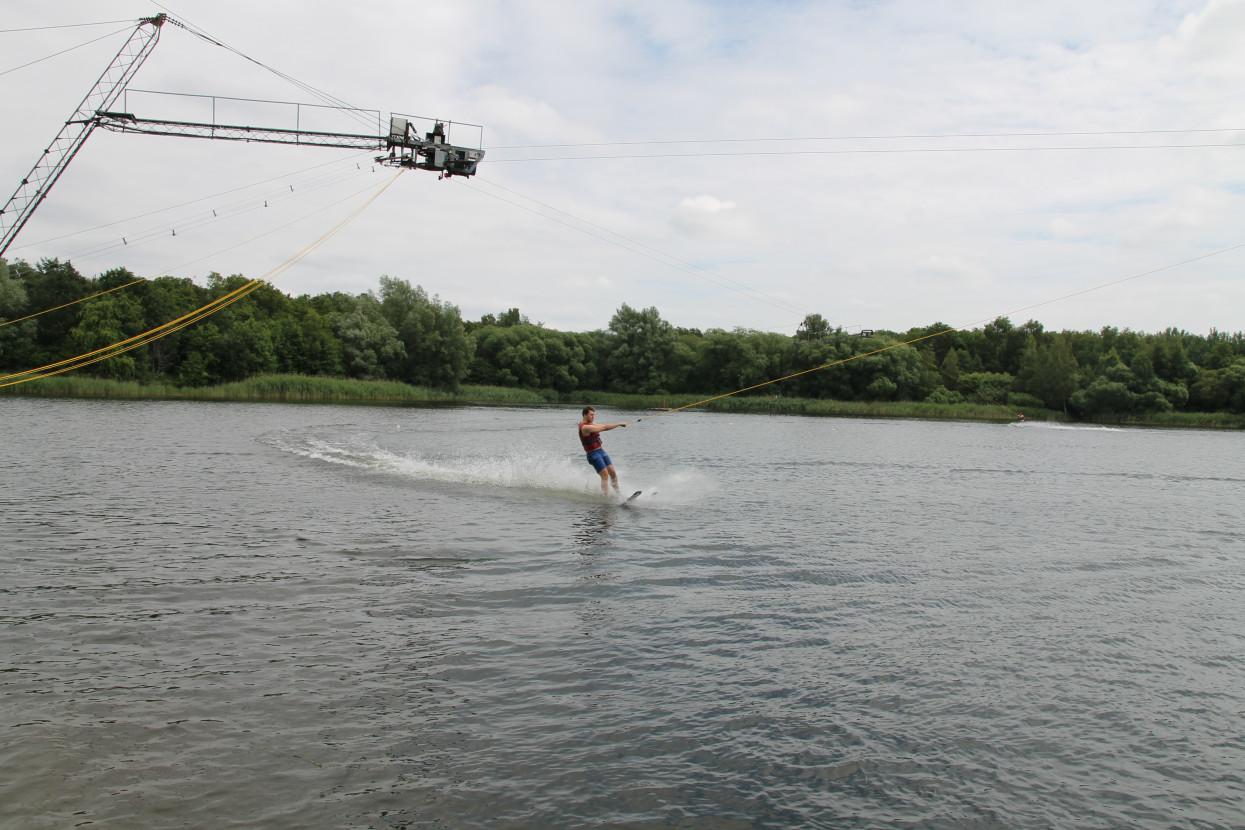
402	146
52	163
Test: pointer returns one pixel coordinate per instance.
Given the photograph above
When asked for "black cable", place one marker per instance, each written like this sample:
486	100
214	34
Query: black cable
65	26
191	202
868	152
202	34
861	138
63	51
190	223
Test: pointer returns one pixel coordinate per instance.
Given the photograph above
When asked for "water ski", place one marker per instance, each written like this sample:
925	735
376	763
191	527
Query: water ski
632	497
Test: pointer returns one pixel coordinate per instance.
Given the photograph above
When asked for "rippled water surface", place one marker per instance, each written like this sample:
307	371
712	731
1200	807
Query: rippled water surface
248	615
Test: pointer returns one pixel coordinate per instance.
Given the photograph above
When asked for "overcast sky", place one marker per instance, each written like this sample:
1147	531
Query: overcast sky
885	164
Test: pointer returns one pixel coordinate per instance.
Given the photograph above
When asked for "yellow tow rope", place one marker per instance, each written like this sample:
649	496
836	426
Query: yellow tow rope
187	319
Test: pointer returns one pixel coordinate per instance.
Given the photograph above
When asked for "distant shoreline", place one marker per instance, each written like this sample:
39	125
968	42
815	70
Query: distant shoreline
305	389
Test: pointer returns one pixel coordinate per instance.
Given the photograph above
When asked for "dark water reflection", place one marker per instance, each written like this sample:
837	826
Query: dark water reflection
592	528
275	616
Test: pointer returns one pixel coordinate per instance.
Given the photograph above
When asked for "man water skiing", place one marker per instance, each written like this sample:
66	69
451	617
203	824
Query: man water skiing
590	437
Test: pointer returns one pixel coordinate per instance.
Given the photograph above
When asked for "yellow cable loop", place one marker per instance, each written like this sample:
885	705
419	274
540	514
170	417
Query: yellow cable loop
192	317
132	342
147	340
207	256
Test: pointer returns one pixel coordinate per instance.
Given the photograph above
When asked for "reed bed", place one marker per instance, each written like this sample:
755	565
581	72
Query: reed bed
63	386
299	388
305	389
1185	420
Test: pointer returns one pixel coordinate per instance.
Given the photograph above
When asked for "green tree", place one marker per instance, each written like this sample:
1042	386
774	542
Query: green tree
1150	393
1142	367
814	327
437	349
1170	359
896	373
1219	390
106	321
16	338
49	286
1113	368
1049	372
527	356
944	395
369	342
508	356
512	317
881	388
165	299
728	361
988	387
640	351
12	293
811	381
941	339
591	345
1104	397
1001	347
951	365
305	343
244	348
237	341
564	361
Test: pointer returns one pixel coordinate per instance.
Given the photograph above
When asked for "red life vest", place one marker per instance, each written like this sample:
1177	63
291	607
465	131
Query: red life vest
590	442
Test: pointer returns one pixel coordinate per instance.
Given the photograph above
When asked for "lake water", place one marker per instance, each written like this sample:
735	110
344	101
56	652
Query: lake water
250	615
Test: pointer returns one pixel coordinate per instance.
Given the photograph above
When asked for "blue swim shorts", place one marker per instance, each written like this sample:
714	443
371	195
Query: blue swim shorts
599	460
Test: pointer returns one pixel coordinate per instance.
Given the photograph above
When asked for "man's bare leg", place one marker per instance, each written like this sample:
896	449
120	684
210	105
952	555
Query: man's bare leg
609	476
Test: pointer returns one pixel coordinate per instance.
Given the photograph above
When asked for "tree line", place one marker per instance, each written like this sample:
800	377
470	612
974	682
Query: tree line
399	332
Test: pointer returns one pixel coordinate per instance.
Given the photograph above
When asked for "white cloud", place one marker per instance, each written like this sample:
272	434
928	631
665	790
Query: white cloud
577	281
708	216
1212	36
